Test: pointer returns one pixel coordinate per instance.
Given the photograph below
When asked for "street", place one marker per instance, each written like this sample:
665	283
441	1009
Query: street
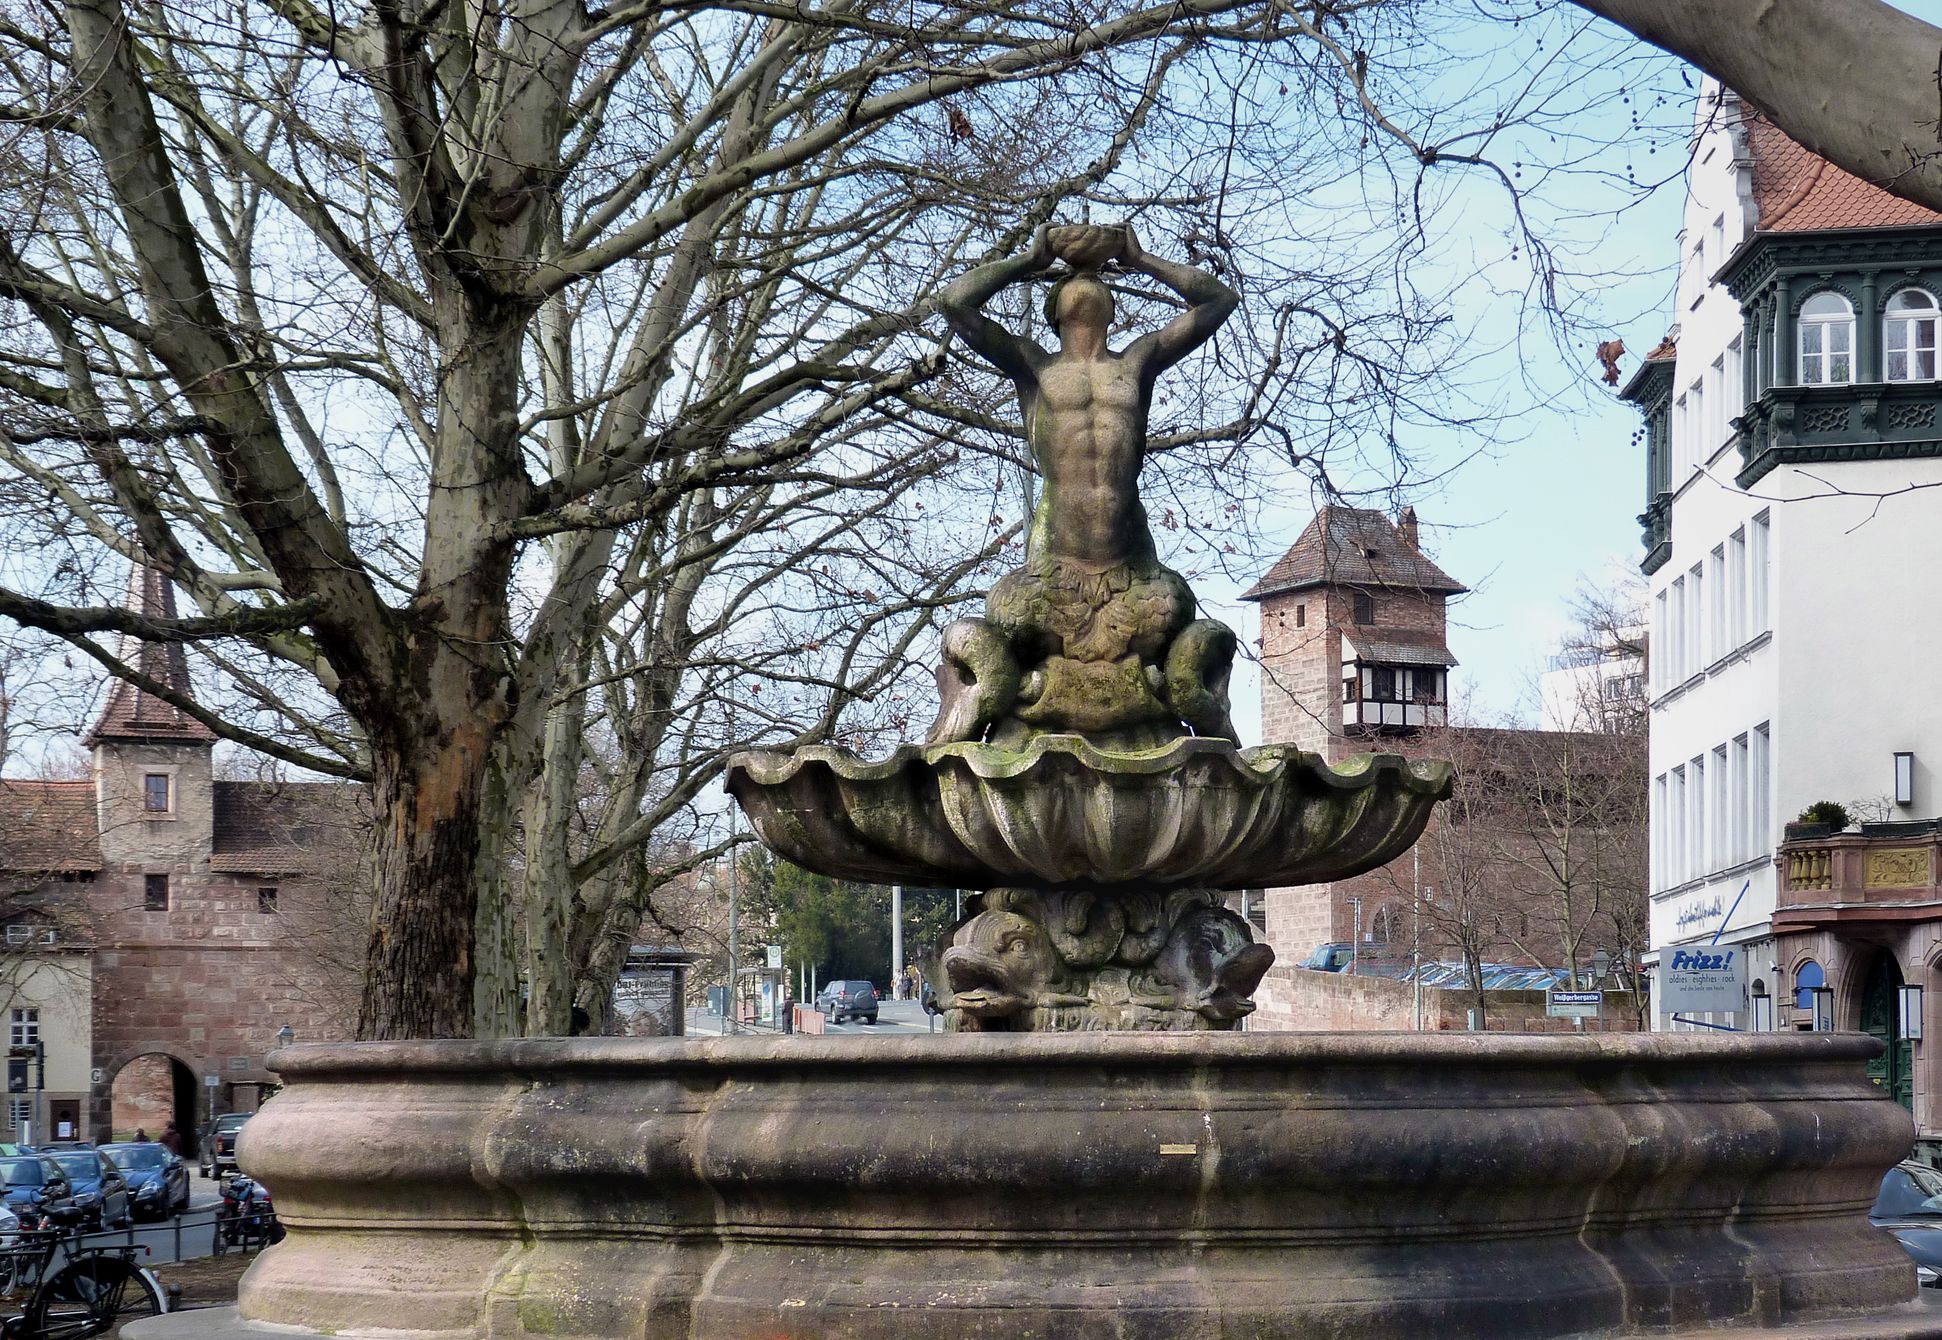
896	1018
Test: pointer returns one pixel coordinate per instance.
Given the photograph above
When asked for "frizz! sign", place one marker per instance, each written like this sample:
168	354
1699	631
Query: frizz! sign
1702	981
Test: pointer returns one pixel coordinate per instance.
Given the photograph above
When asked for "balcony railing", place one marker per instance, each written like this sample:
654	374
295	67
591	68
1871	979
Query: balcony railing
1883	870
1790	425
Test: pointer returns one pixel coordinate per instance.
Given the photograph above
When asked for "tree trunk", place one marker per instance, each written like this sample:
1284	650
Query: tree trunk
418	975
549	877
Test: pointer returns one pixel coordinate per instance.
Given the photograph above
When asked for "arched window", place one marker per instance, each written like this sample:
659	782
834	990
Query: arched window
1806	979
1908	336
1387	925
1826	341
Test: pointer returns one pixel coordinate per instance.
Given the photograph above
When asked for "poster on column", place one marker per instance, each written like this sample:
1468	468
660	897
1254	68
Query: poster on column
1707	980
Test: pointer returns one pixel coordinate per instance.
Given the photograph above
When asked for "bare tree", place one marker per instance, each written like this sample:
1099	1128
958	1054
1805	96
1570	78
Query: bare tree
508	380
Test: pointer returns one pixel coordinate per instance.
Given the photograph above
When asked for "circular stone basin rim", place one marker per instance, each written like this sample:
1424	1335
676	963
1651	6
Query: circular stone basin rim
1088	1051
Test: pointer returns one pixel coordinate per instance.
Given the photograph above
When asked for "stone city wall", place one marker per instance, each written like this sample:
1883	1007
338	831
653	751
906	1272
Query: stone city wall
1300	1000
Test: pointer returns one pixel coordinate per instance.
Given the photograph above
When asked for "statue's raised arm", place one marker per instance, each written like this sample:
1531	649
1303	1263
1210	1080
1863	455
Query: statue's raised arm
1209	304
963	306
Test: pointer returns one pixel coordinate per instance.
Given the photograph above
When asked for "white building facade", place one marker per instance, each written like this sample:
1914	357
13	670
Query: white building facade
1791	436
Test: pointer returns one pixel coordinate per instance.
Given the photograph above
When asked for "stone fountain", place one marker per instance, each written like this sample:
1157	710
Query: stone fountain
1096	1151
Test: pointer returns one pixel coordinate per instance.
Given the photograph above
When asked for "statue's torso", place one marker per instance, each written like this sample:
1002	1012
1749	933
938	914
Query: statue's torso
1088	432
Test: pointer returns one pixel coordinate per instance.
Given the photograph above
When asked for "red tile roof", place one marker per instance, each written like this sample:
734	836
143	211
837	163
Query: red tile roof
49	826
1796	190
1352	546
130	713
266	828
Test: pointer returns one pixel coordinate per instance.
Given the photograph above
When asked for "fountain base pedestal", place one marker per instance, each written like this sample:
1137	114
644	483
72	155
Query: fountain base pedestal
1178	1186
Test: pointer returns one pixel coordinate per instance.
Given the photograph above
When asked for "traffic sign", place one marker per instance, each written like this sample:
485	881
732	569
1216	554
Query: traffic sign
1573	1004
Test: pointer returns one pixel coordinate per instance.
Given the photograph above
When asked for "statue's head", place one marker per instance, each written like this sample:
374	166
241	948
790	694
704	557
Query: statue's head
998	964
1079	301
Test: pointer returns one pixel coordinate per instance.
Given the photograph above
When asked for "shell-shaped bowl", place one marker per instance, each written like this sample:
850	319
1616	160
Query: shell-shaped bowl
1197	813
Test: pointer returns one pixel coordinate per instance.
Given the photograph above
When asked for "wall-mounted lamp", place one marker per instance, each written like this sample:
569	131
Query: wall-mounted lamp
1904	778
1823	1009
1601	963
1908	1001
285	1036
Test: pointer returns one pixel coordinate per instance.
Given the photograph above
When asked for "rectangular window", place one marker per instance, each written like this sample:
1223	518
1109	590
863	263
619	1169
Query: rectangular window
1759	807
155	793
266	899
1716	402
1696	795
1682	438
1385	685
1301	616
1660	649
1722	599
1735	381
1676	838
1676	662
1759	560
1701	448
1348	686
1742	846
1363	606
1722	813
24	1028
1717	237
20	1111
155	893
1736	583
1695	619
1657	828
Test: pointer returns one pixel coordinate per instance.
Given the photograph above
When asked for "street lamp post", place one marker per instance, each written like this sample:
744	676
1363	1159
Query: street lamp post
896	942
734	943
1416	934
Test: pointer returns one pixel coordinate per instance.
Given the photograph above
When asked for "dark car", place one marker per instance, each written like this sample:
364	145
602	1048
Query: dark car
100	1191
36	1187
219	1143
842	1000
1329	957
1910	1207
158	1184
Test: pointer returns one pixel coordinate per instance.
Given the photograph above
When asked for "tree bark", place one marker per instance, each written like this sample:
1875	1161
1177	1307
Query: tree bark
1855	82
418	967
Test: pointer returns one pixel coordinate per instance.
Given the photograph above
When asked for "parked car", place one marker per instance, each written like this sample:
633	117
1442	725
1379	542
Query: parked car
842	1000
158	1184
1329	957
100	1191
1910	1207
37	1190
219	1142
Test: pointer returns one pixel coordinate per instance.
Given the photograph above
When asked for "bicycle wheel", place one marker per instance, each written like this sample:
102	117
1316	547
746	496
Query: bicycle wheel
92	1296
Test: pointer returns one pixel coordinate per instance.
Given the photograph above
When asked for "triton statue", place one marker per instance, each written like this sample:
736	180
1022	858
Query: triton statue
1093	634
1083	777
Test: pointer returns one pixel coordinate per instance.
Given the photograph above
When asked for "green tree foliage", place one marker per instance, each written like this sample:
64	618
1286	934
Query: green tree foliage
839	929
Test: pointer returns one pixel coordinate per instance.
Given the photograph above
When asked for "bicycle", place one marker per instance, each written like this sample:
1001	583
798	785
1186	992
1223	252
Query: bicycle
94	1290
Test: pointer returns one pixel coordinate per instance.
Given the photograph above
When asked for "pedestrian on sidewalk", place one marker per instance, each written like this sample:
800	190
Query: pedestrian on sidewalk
171	1139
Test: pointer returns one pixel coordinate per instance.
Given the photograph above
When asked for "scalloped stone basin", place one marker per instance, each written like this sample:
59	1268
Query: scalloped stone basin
1049	1187
1198	813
